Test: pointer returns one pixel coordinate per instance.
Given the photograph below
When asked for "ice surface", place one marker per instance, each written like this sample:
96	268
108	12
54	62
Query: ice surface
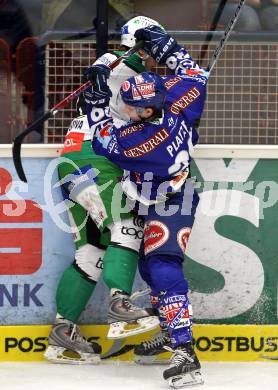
129	376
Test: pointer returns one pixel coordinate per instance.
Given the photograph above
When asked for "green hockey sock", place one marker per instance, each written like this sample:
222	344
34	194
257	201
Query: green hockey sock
119	268
73	294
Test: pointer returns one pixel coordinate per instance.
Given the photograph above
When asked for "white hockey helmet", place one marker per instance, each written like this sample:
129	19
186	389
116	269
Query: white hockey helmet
134	24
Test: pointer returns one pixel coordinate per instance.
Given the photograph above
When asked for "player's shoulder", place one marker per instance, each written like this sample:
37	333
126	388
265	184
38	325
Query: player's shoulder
136	133
129	131
172	81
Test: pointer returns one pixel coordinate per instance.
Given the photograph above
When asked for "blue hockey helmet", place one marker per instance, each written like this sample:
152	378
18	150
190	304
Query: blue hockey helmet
144	90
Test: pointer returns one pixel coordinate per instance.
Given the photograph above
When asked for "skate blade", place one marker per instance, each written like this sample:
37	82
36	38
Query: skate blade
151	360
269	357
120	330
193	378
62	355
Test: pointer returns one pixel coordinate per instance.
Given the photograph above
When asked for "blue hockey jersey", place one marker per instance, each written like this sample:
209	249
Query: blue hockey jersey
155	154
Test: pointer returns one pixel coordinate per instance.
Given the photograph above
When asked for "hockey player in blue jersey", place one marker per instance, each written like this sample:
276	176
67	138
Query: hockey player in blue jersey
154	148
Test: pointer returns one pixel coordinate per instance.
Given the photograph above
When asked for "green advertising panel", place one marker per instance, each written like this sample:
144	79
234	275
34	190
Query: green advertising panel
232	254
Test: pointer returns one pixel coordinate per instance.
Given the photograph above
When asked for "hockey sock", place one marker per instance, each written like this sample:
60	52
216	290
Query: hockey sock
162	318
169	290
119	268
73	294
178	313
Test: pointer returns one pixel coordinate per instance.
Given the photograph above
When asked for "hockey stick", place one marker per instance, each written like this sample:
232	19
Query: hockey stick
223	40
53	111
225	36
213	26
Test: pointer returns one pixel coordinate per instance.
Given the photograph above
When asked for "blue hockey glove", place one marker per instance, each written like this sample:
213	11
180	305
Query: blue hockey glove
99	94
157	43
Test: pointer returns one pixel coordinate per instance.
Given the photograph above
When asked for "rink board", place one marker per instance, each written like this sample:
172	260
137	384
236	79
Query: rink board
212	342
231	265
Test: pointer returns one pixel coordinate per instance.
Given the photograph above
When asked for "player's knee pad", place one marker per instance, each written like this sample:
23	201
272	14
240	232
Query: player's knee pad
166	274
89	260
127	233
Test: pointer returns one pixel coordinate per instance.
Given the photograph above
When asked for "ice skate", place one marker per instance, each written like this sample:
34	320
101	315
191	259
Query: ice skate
269	357
184	368
127	319
67	345
153	351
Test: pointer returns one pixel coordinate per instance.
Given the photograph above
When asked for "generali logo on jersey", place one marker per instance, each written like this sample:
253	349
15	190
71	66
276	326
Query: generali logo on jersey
131	129
184	101
172	82
149	145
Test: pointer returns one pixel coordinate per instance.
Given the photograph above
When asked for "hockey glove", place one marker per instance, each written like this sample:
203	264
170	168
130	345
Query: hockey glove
99	94
157	43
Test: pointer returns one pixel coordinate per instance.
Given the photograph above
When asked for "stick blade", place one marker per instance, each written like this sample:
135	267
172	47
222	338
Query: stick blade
20	138
17	159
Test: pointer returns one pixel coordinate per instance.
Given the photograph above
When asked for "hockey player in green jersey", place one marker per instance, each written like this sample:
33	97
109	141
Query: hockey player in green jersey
102	239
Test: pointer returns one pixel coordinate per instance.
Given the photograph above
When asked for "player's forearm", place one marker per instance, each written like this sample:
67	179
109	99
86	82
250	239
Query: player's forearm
167	51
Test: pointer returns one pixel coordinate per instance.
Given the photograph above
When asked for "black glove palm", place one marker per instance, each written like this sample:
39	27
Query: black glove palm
100	94
157	43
